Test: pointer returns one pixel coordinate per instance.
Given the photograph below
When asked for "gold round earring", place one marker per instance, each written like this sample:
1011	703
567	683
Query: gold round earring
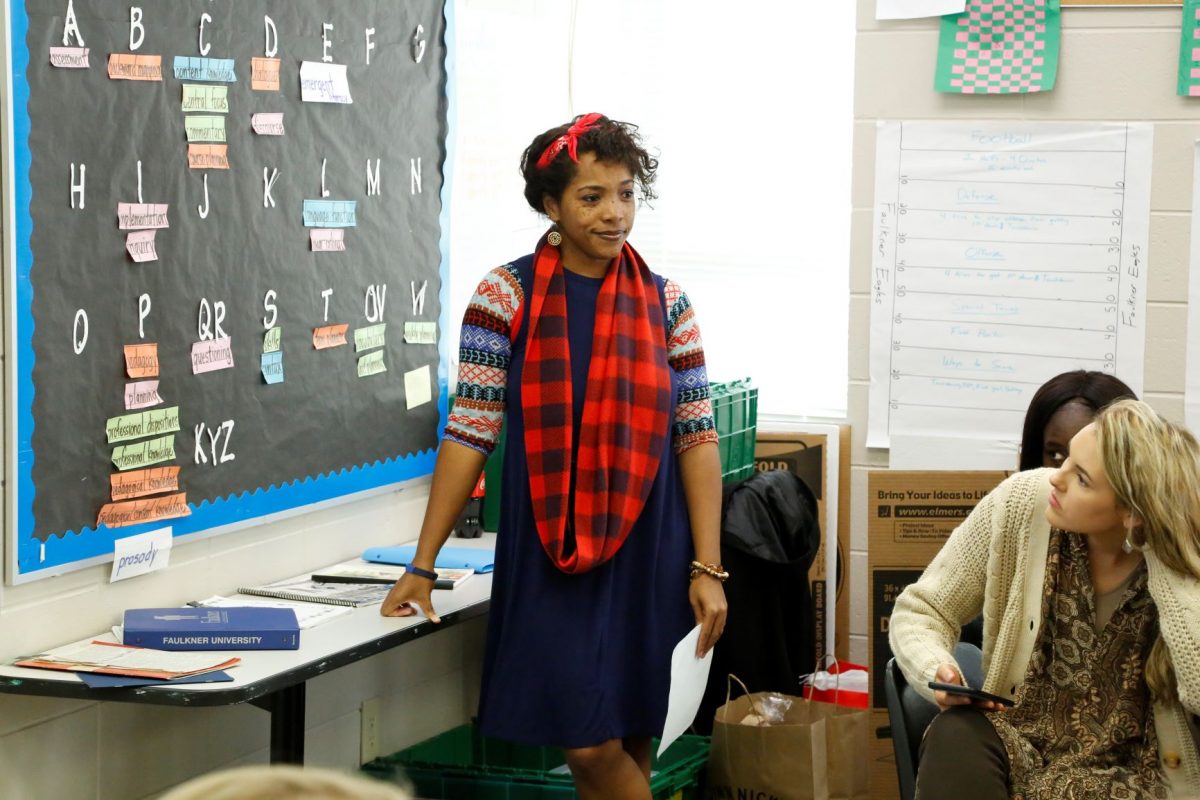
554	238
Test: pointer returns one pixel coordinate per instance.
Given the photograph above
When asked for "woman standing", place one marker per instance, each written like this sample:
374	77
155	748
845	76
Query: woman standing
1087	577
608	545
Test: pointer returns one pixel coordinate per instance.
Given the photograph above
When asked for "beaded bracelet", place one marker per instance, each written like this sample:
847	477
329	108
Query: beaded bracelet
422	573
712	570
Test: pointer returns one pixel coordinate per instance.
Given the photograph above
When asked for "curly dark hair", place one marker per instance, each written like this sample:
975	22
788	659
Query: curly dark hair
1094	389
608	139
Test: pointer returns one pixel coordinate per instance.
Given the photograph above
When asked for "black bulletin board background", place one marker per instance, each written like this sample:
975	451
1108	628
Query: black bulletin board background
322	418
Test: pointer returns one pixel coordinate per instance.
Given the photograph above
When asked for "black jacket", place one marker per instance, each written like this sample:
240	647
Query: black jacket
769	538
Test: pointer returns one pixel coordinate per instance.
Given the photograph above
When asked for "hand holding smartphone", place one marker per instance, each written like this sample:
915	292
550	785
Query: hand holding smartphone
974	694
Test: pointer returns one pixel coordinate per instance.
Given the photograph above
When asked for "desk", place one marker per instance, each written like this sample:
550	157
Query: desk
274	680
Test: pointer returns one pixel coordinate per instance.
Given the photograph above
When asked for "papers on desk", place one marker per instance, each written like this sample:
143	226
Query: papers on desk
307	614
689	676
117	659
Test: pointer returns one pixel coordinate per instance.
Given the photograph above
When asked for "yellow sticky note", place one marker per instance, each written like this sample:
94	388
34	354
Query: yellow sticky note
272	340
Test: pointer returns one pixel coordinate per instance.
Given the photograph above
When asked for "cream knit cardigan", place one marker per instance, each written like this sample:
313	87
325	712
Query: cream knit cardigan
996	561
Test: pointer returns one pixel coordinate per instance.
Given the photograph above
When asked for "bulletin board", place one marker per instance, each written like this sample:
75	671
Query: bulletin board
225	228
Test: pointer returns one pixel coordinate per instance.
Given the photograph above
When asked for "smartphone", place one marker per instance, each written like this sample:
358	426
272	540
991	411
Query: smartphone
967	691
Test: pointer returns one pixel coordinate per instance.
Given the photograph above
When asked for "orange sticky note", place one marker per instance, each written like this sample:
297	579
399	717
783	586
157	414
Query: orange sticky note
141	360
264	74
131	67
330	336
135	512
141	482
208	156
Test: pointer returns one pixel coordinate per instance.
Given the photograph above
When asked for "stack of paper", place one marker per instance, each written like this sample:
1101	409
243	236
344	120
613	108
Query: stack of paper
117	659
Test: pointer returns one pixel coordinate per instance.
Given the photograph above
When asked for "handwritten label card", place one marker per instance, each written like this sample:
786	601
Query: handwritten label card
202	128
69	57
272	367
371	364
138	216
267	123
197	68
264	74
369	337
272	339
417	390
327	240
141	394
141	360
420	332
208	156
142	482
324	83
329	336
137	555
140	246
210	99
130	67
136	512
330	213
211	355
142	454
147	423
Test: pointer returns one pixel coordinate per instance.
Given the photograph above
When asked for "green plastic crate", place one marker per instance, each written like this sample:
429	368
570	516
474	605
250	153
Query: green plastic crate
461	764
735	410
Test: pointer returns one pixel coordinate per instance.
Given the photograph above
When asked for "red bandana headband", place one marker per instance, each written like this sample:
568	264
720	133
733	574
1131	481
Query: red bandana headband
569	140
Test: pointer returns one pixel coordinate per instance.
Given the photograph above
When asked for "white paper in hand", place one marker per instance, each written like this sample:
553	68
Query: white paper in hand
689	676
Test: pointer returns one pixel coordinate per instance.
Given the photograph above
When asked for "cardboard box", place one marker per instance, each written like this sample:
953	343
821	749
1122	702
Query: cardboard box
817	457
910	516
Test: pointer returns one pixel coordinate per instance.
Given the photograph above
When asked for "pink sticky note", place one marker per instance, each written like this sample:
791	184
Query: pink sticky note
211	355
265	124
327	240
140	246
140	216
69	57
141	394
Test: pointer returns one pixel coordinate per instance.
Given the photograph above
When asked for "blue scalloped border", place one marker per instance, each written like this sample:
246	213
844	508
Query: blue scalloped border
57	553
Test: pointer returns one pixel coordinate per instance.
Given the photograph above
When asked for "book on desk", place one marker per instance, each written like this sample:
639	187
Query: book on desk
234	628
385	574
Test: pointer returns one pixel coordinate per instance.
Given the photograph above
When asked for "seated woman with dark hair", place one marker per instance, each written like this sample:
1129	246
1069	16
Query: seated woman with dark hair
1060	408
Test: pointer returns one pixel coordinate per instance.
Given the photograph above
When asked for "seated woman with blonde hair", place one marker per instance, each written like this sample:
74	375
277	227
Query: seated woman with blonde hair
284	782
1087	577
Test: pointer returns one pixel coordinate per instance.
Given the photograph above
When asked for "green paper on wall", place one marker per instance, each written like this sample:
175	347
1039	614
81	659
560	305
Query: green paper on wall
999	47
1189	51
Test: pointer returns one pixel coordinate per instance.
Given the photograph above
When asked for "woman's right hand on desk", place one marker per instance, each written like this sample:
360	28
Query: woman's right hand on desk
409	594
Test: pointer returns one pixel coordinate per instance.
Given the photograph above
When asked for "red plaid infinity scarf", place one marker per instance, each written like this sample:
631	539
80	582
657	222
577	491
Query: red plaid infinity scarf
626	408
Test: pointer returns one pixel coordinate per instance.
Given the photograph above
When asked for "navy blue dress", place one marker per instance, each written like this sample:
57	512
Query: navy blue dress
576	660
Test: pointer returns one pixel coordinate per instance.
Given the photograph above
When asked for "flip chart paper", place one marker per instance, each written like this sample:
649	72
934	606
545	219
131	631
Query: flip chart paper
264	74
130	67
689	677
140	246
211	355
69	57
145	423
330	336
272	339
267	124
369	337
1002	254
420	332
204	98
912	9
143	454
327	240
272	367
141	394
951	453
204	128
141	482
324	83
137	555
999	48
198	68
138	216
137	512
208	156
371	364
330	213
417	390
141	360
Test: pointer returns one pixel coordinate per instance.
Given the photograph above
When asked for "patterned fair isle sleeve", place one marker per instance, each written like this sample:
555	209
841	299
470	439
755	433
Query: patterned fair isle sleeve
694	423
484	352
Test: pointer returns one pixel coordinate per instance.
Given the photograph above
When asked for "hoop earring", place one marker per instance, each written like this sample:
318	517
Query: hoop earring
554	238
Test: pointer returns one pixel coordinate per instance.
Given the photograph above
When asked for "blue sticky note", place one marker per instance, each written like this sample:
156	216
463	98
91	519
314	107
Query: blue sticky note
272	367
330	213
197	68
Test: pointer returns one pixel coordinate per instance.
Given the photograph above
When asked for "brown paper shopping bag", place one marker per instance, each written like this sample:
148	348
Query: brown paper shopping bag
846	744
781	761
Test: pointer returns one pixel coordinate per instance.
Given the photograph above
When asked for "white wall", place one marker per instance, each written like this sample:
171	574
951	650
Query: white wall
1115	64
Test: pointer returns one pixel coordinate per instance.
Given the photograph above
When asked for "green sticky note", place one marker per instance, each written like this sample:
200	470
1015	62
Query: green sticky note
211	99
420	332
151	451
204	128
371	364
146	423
271	340
369	337
999	48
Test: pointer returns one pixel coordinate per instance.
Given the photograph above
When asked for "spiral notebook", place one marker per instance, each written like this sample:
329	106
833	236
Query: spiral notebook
335	594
